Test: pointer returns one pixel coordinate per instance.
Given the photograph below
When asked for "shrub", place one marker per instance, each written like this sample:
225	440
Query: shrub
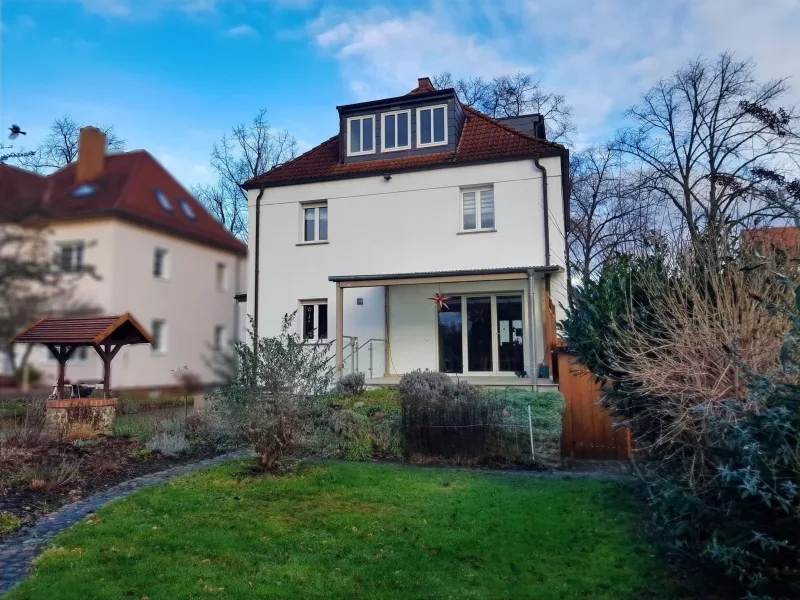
351	385
426	387
130	428
206	429
9	522
168	443
273	402
697	360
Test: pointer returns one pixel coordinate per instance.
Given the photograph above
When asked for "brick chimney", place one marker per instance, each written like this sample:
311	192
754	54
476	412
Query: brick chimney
91	155
424	85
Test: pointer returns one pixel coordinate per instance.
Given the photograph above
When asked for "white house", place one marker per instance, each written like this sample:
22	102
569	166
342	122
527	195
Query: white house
415	196
155	252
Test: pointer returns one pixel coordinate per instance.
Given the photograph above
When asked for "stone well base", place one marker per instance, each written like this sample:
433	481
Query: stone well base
90	415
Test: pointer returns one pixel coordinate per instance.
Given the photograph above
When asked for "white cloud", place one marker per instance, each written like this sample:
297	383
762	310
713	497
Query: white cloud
383	52
601	55
145	9
241	31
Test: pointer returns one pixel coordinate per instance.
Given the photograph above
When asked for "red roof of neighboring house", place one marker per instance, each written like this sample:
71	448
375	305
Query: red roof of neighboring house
783	238
482	139
126	190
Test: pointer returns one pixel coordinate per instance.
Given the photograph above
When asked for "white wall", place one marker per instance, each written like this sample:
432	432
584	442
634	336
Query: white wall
410	223
188	301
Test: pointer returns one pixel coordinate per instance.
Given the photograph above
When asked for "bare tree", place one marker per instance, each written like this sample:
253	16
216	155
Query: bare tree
60	147
711	140
8	153
248	151
609	213
511	96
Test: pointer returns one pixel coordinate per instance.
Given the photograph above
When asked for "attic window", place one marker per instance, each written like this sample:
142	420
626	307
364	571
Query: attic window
163	200
83	191
187	209
432	126
361	135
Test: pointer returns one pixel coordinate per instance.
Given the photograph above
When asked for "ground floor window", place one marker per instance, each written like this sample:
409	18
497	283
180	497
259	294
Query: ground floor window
482	334
314	319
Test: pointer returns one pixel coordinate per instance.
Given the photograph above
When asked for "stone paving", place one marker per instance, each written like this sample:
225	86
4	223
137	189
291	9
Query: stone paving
18	552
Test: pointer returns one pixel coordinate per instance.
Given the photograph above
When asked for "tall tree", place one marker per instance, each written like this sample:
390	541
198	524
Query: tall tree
711	140
513	95
248	151
60	147
610	212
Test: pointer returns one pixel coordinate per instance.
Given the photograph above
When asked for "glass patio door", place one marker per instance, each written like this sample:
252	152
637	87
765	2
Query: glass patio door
482	334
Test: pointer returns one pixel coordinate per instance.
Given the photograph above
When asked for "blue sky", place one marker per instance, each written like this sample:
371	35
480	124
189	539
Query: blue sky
173	75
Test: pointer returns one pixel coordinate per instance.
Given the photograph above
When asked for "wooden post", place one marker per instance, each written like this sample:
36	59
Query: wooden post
387	354
339	330
62	354
107	354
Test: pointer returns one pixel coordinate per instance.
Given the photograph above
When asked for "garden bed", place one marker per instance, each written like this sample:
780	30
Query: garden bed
37	480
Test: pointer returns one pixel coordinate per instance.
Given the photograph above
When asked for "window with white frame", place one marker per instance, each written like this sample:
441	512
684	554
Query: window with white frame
160	263
69	256
222	277
432	126
79	357
477	209
314	319
360	135
396	130
315	222
219	337
158	330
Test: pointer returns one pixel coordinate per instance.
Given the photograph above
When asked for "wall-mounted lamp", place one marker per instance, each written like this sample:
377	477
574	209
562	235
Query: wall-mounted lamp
387	176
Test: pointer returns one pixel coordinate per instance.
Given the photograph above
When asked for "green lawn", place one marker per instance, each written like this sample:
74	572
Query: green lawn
350	530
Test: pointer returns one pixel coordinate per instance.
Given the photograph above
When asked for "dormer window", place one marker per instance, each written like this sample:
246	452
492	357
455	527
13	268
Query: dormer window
361	135
432	126
396	131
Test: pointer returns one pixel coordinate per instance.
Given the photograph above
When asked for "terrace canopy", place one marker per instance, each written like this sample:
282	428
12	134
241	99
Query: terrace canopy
107	335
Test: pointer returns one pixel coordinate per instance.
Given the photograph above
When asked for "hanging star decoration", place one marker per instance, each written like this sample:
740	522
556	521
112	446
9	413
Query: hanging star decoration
440	301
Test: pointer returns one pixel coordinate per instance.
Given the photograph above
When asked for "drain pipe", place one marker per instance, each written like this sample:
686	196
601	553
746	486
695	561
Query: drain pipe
532	311
546	210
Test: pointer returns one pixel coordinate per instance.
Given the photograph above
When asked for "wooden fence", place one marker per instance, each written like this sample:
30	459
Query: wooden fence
588	431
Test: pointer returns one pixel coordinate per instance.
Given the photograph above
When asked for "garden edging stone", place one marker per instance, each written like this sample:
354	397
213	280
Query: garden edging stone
18	552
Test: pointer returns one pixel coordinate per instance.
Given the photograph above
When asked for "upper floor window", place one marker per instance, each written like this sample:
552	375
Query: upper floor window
222	277
361	135
396	131
163	200
187	209
432	126
69	256
315	222
477	209
160	266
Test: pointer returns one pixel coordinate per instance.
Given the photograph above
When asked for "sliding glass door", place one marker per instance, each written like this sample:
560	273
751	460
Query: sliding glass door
482	334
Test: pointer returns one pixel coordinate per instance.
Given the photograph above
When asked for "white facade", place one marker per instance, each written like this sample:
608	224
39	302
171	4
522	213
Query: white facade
410	223
190	301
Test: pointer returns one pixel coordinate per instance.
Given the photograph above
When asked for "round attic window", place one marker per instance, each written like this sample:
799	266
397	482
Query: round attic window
187	209
83	191
163	200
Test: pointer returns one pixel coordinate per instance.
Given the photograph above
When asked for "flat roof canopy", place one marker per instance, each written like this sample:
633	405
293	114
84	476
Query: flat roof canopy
86	331
502	273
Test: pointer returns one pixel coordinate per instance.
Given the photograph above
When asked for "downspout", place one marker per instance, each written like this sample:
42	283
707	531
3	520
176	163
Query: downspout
546	212
256	265
532	311
235	301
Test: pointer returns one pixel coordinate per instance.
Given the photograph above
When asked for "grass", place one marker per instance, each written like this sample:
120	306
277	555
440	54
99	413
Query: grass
346	530
9	522
381	397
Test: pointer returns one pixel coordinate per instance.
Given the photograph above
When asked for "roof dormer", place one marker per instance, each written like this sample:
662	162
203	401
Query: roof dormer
424	121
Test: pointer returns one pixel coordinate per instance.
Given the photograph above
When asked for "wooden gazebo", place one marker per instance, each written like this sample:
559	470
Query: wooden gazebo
106	334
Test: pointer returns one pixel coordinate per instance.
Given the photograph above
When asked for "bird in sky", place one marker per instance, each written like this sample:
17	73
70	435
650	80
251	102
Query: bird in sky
15	131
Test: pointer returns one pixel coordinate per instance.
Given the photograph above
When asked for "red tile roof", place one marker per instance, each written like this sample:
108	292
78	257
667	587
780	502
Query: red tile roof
125	190
85	330
779	238
482	139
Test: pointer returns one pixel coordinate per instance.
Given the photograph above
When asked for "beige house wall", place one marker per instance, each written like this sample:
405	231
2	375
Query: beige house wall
187	300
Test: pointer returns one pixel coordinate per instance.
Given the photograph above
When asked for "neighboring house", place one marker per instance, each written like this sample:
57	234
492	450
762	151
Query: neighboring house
157	254
415	196
784	240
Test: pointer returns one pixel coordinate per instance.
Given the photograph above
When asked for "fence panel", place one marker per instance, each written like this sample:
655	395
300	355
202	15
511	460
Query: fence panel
588	430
